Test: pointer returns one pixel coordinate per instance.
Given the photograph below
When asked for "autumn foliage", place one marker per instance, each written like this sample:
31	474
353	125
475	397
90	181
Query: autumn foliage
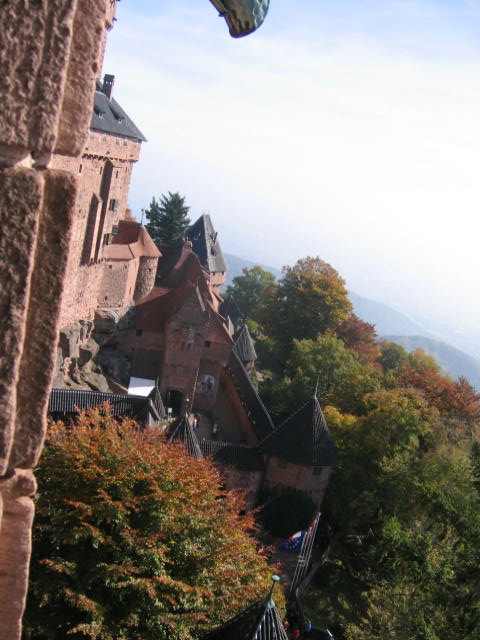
133	539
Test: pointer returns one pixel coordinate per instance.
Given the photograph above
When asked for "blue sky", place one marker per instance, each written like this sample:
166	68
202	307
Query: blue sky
349	130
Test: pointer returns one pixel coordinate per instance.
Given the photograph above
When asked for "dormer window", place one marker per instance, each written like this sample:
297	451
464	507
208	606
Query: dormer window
99	113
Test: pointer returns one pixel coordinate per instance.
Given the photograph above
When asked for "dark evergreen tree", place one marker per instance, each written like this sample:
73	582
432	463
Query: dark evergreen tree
167	219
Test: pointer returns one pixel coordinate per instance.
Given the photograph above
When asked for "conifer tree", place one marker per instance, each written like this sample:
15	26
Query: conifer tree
168	218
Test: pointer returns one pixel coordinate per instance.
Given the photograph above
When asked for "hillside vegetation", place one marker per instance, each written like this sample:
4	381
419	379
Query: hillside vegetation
395	326
403	504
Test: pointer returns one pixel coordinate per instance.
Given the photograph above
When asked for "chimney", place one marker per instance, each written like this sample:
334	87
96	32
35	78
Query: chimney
107	88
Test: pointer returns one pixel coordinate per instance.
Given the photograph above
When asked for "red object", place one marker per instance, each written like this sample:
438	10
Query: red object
295	634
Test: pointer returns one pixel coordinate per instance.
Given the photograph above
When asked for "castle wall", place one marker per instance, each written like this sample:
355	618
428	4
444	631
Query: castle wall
146	277
247	481
50	54
280	473
104	171
118	283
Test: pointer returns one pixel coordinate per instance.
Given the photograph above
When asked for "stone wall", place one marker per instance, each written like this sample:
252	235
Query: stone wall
118	283
50	55
103	171
146	277
280	473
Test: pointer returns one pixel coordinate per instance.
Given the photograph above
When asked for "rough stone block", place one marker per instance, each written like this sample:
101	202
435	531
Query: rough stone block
20	202
34	51
84	67
15	549
39	348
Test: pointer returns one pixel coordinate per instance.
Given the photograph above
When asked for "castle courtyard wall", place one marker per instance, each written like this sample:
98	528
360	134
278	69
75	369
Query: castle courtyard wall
280	473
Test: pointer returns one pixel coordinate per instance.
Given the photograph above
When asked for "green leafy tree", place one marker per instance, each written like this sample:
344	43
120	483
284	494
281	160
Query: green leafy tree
251	289
323	360
134	539
168	219
310	298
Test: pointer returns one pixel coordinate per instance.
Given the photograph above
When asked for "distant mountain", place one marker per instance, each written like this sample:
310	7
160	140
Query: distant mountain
385	319
393	326
451	360
236	264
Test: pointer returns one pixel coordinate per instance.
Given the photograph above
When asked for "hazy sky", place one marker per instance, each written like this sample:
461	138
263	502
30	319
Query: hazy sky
347	129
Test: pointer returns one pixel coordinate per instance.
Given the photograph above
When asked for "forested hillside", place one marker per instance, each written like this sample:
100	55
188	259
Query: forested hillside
396	327
403	504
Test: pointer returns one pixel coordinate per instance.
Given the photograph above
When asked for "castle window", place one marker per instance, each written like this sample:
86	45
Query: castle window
139	332
80	169
115	230
113	206
101	170
117	140
116	174
207	344
106	298
109	266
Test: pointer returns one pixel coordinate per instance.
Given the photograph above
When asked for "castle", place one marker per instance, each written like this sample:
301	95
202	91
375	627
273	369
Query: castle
179	336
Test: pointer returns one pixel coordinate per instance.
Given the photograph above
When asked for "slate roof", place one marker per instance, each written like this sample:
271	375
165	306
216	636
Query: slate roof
241	456
183	432
259	621
109	117
205	243
243	345
256	410
67	402
229	309
303	438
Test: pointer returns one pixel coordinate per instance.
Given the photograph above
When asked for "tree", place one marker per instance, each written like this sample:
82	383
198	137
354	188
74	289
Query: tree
251	289
361	337
324	361
134	539
310	298
168	219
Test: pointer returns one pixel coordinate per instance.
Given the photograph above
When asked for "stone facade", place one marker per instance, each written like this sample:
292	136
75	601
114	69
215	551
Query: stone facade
50	55
104	171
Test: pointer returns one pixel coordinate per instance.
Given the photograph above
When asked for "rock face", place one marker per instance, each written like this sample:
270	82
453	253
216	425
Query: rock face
50	54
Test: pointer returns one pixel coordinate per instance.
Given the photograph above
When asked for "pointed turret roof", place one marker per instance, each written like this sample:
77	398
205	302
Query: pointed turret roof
303	438
205	244
243	346
183	431
259	621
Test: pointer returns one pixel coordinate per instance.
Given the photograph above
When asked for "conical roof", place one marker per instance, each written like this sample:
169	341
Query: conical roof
303	438
259	621
183	431
205	244
243	345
